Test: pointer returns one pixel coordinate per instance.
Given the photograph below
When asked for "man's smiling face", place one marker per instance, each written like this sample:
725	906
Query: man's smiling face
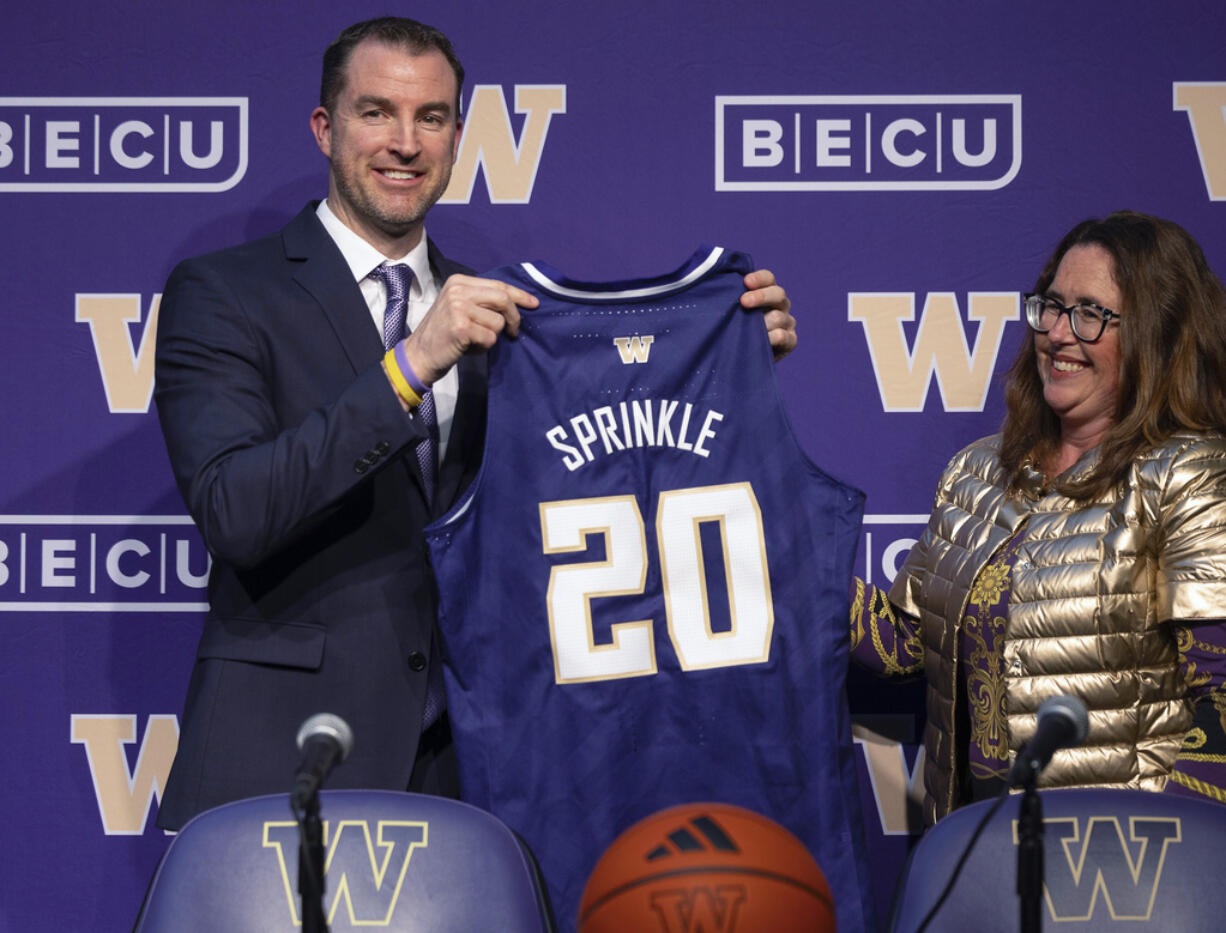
391	140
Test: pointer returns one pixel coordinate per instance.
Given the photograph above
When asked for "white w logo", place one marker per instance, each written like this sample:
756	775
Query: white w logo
634	349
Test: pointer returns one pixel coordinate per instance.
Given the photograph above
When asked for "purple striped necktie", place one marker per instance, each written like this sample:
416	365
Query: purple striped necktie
397	279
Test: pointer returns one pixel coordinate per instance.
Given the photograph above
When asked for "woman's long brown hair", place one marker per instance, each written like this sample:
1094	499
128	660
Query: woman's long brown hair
1172	352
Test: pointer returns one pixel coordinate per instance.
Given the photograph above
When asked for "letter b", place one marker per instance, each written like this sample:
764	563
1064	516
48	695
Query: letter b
6	151
760	143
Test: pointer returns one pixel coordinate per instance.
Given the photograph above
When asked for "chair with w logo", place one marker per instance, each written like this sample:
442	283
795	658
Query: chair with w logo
1114	861
393	861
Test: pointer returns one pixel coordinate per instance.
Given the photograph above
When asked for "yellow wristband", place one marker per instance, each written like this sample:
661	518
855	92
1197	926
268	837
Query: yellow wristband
399	383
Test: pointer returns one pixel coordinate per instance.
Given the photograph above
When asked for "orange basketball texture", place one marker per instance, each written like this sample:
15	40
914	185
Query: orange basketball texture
709	867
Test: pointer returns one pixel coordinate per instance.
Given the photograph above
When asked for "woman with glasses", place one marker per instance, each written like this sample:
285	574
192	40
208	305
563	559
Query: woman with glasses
1082	550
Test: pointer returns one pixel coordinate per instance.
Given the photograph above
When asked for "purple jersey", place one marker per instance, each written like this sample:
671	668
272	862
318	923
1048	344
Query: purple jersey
644	592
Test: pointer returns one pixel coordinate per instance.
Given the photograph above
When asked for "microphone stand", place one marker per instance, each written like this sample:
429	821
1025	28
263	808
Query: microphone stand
311	867
1030	857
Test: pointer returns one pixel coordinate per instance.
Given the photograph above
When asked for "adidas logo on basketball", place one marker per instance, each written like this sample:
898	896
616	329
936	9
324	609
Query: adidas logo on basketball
706	868
683	840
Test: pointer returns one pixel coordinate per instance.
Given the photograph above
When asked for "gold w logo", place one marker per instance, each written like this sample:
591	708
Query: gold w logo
365	866
1205	104
1123	868
488	140
124	796
904	374
699	909
634	349
127	372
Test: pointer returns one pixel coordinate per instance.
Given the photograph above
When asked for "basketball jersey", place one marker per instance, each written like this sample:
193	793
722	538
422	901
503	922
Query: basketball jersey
644	591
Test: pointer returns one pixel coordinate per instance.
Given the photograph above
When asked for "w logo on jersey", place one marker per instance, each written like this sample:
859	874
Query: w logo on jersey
634	349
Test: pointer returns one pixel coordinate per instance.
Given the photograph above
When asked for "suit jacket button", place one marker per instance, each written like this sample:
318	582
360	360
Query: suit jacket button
382	447
360	466
417	661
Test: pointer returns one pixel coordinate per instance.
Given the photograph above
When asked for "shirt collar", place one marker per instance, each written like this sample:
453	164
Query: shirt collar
361	257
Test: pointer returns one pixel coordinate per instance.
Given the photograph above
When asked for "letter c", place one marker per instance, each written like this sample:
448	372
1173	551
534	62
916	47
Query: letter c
889	142
129	580
120	135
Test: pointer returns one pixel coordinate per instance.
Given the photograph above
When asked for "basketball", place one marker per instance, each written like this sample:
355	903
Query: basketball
706	866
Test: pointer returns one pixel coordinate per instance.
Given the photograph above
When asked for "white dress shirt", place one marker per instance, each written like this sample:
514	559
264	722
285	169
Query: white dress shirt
362	258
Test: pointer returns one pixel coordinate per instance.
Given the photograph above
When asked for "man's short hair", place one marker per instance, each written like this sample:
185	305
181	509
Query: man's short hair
416	38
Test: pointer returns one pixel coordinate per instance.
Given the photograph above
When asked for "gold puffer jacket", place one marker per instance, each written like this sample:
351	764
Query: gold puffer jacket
1092	586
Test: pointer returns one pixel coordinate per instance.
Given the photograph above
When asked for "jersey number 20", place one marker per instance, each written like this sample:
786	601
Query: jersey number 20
565	528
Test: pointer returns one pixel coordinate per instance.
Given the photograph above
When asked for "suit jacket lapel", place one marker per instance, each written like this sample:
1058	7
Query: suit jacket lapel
320	269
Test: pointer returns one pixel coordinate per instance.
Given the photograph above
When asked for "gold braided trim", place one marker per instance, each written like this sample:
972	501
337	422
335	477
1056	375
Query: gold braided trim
1208	790
880	610
1203	756
857	614
1185	639
1205	646
1196	738
1190	675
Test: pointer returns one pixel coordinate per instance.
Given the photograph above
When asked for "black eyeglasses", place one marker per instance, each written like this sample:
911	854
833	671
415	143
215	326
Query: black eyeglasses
1088	320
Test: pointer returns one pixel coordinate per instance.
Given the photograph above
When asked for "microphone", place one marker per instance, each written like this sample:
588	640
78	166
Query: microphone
1063	722
325	741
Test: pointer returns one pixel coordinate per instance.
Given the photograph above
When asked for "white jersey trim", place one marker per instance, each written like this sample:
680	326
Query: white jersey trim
562	291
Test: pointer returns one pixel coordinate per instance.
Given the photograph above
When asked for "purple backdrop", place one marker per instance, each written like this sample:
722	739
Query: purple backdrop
903	169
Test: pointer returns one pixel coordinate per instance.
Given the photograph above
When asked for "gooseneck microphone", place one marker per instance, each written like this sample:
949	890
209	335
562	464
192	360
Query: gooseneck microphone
325	741
1063	723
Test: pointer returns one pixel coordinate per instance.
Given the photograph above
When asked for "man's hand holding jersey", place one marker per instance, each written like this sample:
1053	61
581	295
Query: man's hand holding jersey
764	294
470	313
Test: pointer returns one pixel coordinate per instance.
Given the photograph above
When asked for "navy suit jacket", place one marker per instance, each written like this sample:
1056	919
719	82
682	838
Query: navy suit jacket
295	459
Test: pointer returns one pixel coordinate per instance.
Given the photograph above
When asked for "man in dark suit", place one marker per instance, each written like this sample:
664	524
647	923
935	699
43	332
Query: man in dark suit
294	441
